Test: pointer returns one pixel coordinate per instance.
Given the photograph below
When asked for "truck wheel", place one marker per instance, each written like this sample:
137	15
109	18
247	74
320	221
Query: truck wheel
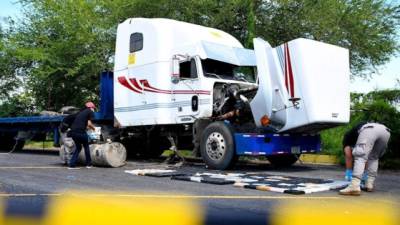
283	160
217	146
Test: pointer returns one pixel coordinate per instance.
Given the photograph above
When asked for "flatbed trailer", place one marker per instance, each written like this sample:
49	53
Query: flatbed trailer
44	124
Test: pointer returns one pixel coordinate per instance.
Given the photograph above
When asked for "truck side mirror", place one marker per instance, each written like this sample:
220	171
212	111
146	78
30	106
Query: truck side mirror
175	70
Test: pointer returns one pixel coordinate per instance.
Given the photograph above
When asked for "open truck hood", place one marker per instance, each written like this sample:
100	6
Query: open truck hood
303	85
224	53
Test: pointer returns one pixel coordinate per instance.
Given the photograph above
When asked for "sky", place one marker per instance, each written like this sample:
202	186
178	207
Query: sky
387	79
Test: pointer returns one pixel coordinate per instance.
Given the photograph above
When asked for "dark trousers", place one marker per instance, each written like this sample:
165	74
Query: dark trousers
80	139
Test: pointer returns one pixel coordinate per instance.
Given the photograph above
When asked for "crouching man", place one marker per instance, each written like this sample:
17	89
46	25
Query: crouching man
370	141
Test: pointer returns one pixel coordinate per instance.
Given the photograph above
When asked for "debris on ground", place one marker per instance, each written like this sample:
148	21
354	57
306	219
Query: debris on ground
257	181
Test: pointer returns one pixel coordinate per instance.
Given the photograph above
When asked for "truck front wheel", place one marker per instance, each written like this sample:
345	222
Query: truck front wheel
218	146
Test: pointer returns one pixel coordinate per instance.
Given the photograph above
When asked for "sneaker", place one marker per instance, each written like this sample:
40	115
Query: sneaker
369	184
89	166
352	189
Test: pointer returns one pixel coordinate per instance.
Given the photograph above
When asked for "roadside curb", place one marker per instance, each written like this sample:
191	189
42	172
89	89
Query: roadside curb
319	159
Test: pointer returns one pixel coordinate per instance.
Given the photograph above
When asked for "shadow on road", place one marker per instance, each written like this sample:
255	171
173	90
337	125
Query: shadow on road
37	152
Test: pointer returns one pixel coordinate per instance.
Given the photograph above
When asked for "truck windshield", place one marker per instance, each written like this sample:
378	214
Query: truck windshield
222	70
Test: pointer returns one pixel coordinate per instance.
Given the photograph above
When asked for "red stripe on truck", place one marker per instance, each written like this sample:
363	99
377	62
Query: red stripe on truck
289	72
143	85
122	80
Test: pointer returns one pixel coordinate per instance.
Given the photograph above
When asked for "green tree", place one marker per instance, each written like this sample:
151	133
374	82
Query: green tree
366	27
64	44
383	107
17	105
59	47
376	106
9	81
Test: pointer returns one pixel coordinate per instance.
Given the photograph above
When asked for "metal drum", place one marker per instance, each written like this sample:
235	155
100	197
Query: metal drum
108	155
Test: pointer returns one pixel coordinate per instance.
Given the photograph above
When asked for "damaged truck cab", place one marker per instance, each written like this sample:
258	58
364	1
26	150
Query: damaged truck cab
201	87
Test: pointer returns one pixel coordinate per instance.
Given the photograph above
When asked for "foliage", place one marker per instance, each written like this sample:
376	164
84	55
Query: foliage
17	105
366	27
59	47
383	107
377	106
65	44
9	65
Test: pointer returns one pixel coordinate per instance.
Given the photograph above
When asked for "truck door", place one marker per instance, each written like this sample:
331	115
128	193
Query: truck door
186	93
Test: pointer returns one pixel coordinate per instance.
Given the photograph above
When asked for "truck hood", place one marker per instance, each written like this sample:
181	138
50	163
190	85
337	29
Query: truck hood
224	53
303	85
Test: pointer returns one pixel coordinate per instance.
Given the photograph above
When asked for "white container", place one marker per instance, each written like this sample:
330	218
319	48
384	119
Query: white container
107	155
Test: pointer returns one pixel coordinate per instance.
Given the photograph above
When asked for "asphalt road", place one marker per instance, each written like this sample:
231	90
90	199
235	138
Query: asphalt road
30	177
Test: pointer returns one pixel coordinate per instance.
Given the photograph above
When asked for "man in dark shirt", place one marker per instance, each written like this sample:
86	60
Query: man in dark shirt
366	142
349	141
78	134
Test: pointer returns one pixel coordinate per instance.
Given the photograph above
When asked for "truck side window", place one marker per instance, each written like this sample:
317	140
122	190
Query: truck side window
184	69
136	42
188	69
193	69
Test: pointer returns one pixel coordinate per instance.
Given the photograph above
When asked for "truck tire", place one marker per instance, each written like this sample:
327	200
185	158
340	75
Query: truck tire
217	146
283	160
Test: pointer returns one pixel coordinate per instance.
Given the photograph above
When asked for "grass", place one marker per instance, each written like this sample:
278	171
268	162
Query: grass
184	153
39	144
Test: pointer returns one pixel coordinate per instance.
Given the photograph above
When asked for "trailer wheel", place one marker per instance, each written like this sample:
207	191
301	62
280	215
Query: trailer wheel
283	160
217	146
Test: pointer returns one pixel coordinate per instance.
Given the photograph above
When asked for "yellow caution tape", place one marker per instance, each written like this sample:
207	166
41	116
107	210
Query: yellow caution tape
72	209
21	221
89	208
1	211
350	211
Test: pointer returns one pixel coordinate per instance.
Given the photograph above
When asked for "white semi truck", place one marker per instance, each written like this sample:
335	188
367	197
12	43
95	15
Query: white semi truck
199	87
203	87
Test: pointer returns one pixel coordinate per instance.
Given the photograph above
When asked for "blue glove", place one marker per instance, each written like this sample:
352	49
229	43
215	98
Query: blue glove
348	175
365	176
364	179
